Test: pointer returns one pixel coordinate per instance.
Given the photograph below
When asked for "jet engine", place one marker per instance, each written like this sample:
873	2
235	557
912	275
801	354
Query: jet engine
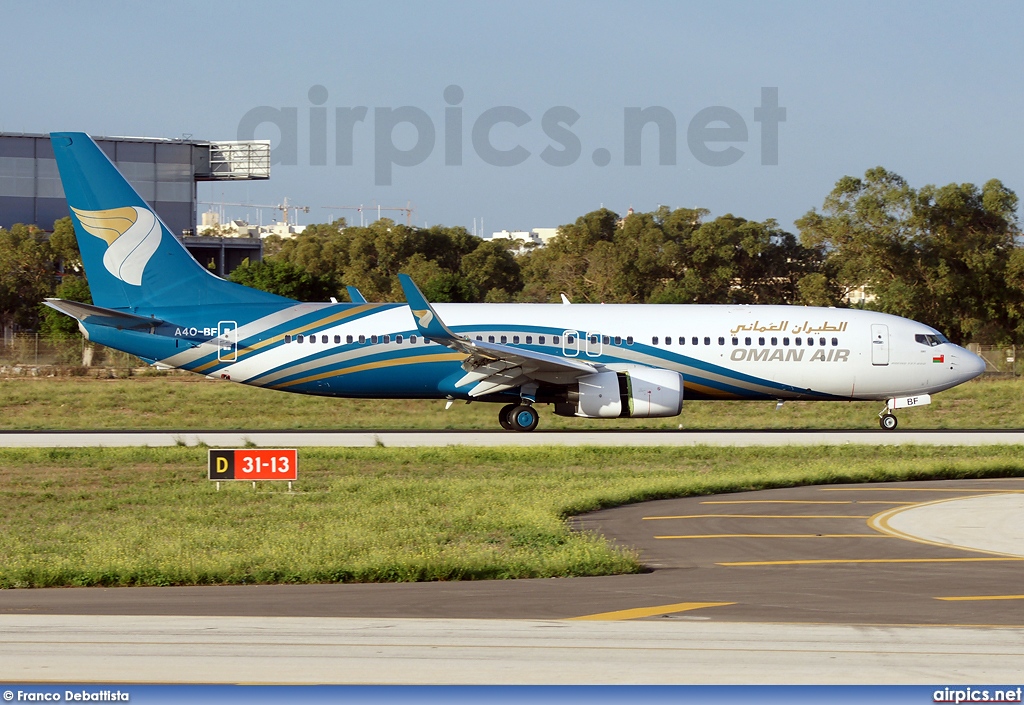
641	392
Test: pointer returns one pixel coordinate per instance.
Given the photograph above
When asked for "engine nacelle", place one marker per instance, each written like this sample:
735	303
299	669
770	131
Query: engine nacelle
641	392
652	393
600	397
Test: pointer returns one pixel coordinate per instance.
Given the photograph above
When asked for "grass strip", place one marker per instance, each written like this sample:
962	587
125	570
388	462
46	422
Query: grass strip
183	401
148	516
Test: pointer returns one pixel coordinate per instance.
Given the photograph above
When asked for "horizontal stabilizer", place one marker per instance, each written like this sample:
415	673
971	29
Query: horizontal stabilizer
95	315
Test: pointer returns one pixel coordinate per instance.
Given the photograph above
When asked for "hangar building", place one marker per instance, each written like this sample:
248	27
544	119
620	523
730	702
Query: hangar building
164	172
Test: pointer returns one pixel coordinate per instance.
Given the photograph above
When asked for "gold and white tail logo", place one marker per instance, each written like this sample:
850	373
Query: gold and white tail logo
132	236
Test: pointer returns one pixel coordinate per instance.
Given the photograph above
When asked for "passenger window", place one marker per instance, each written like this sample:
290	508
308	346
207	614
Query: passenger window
746	341
707	340
785	341
668	340
412	339
735	341
760	341
323	338
398	339
810	341
515	339
695	340
570	339
682	340
554	340
504	339
835	342
593	340
541	340
629	340
287	339
529	340
385	339
799	341
348	338
775	341
654	340
721	340
299	338
821	342
618	340
373	339
479	337
605	340
490	339
362	340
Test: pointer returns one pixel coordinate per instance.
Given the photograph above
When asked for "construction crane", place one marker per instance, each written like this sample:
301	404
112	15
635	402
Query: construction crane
285	207
408	209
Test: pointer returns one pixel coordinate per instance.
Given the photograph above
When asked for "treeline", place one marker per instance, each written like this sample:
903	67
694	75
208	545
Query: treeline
948	256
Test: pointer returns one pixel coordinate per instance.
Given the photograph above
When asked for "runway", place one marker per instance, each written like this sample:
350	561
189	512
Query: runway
441	438
829	584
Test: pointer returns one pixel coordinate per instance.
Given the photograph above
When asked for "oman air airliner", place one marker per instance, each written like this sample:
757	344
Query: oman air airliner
153	300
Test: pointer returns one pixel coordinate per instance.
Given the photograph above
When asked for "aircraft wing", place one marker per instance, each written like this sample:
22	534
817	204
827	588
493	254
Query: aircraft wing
491	367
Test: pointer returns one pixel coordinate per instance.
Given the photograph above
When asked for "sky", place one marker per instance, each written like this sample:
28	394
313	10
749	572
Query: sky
930	90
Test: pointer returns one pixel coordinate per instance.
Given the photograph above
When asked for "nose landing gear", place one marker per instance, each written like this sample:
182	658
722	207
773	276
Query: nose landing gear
887	420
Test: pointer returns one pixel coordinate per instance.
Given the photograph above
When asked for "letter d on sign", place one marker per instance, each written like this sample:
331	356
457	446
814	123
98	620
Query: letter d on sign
221	464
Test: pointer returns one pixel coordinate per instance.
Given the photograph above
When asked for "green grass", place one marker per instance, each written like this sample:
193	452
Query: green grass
192	402
148	516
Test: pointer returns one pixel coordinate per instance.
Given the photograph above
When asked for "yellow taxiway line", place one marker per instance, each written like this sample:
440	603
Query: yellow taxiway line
640	612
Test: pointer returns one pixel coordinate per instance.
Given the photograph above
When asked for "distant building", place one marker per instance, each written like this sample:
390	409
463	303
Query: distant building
164	172
537	236
859	295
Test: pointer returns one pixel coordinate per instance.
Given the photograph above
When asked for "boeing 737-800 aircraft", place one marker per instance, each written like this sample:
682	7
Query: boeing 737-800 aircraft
153	300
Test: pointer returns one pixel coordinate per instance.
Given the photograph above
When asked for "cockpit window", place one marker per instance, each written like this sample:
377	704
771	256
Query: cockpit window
929	340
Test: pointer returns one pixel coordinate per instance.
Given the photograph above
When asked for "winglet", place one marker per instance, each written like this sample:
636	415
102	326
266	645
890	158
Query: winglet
355	295
428	322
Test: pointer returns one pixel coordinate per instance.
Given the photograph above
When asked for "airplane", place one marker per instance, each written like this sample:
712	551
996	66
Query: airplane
154	301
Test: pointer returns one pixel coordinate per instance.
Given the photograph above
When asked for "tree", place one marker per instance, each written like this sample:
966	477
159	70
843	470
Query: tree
940	255
283	278
26	275
56	325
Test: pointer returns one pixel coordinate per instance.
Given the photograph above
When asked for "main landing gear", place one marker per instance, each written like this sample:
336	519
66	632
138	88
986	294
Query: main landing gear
518	417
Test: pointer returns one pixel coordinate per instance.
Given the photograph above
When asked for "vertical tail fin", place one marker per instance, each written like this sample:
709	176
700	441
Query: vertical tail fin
131	259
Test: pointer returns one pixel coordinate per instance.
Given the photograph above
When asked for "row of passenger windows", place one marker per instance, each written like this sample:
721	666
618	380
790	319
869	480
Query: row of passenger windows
556	340
373	339
750	341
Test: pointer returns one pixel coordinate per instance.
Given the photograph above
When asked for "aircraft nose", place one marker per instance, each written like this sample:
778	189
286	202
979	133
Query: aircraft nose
971	365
